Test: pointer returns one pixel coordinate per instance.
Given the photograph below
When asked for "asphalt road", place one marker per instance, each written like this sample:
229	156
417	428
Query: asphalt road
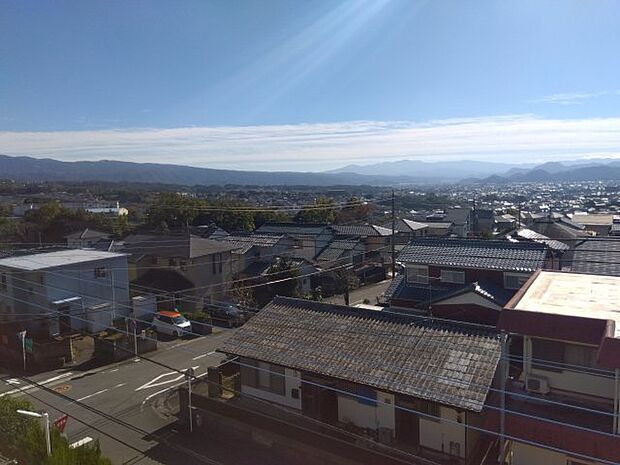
131	392
357	296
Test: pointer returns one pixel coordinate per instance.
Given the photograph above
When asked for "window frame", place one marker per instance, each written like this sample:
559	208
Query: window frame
519	276
411	268
460	273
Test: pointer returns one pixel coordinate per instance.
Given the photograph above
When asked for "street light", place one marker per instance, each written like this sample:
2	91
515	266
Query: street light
46	422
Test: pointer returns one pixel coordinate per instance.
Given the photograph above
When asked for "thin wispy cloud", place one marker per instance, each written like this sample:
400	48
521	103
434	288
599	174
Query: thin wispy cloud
322	146
573	98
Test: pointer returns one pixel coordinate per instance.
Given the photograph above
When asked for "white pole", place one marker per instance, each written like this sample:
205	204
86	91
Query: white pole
135	340
24	349
189	374
48	440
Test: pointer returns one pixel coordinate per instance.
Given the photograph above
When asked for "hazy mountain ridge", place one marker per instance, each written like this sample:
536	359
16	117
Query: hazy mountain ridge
47	169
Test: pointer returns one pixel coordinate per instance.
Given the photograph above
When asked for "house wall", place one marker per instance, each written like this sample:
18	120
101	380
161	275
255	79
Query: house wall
437	434
363	415
573	381
525	454
33	293
292	381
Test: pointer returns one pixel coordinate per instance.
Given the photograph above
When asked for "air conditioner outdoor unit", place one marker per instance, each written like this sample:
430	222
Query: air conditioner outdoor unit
537	384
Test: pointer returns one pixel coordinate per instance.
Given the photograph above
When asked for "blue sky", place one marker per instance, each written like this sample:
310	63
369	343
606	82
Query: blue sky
309	85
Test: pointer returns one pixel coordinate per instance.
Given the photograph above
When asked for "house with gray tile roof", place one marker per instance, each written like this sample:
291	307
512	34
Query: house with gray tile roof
464	279
358	367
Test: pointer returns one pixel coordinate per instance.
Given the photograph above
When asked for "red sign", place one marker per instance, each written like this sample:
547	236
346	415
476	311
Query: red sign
61	422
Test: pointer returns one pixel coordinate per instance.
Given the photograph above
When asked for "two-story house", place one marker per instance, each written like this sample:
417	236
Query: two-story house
184	270
563	401
257	248
405	230
309	239
64	291
462	279
376	239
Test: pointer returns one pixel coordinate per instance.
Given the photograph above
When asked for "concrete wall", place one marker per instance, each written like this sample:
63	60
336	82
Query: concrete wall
437	434
381	415
525	454
292	381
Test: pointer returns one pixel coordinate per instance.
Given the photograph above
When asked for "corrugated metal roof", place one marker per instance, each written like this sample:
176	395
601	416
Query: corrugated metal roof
58	258
474	253
446	363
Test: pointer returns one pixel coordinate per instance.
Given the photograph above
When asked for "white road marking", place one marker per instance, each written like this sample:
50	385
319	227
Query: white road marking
28	388
154	382
92	395
150	396
120	385
112	371
204	355
81	442
13	381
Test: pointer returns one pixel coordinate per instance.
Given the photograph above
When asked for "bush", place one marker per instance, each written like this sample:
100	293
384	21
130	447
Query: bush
23	438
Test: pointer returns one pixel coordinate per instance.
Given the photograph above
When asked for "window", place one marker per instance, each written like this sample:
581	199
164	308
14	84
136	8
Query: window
266	377
548	355
417	274
219	259
100	272
582	356
3	282
450	276
514	280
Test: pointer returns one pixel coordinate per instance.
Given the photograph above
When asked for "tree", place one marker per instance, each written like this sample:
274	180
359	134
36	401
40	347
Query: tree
354	211
175	210
323	211
23	438
282	279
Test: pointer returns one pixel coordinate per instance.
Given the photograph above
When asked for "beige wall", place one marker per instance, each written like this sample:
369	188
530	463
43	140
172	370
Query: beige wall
437	434
292	381
368	416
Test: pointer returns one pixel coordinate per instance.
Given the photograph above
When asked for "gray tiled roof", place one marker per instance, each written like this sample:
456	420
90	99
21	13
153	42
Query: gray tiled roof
597	256
244	243
294	229
474	253
443	362
336	248
458	215
361	230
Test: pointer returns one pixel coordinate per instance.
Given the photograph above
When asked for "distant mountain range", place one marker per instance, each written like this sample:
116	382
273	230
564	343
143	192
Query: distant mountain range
440	170
46	169
386	173
591	170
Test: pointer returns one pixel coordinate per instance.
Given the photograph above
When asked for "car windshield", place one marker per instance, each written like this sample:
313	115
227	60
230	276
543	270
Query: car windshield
179	319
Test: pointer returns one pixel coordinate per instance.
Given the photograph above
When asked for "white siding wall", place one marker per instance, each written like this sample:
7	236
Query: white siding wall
437	435
292	381
368	416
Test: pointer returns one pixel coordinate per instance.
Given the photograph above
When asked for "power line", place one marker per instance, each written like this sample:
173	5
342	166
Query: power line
445	378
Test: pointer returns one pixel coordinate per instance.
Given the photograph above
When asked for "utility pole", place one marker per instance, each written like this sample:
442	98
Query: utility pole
392	238
189	374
